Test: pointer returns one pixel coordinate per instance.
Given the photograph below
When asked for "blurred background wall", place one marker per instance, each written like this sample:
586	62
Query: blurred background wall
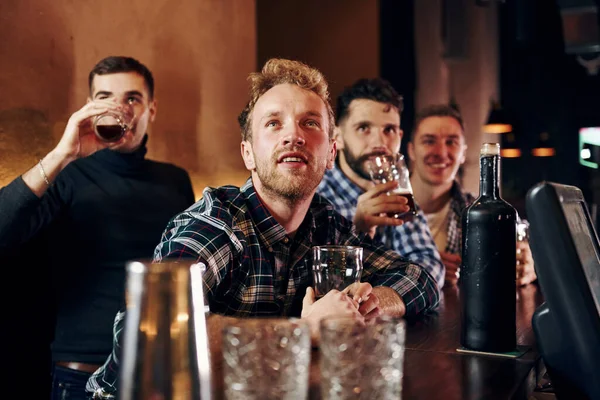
200	53
470	52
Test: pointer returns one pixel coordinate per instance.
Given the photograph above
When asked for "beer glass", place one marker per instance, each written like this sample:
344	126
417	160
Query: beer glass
335	267
112	125
387	168
165	341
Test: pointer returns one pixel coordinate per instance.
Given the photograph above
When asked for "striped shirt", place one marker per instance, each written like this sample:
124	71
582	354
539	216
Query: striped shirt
412	239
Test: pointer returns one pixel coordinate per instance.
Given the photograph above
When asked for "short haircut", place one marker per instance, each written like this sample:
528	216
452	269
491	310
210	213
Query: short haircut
437	110
278	71
117	64
376	89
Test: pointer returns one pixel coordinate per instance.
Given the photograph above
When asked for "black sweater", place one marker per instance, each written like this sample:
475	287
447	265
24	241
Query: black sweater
100	212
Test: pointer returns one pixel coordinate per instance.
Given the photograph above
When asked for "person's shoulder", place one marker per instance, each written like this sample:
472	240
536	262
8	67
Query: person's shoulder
325	212
221	203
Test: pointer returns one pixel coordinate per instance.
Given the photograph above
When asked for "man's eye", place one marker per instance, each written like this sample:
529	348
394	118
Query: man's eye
313	124
389	131
272	124
363	128
132	100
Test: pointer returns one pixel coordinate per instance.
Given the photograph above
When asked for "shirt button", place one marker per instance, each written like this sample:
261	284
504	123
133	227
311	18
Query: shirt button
270	249
285	239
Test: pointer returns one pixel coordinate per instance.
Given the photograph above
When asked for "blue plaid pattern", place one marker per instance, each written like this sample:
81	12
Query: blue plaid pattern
412	239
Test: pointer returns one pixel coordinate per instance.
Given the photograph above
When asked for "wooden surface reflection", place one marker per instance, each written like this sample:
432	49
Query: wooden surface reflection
433	369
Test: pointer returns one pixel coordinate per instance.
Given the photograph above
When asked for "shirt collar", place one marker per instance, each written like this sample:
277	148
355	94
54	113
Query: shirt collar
271	232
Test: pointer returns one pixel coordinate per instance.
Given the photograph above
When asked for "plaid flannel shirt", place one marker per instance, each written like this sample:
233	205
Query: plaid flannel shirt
459	200
254	269
412	239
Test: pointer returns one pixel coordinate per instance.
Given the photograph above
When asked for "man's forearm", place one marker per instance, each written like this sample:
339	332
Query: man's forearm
42	175
390	302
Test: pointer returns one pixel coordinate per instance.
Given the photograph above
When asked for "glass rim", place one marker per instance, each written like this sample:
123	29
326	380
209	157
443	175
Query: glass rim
396	157
337	247
263	322
382	319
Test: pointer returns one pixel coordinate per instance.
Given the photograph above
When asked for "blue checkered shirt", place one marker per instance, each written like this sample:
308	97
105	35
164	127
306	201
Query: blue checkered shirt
412	239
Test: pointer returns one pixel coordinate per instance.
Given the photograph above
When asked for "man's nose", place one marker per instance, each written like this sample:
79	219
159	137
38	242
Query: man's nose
440	149
378	142
293	136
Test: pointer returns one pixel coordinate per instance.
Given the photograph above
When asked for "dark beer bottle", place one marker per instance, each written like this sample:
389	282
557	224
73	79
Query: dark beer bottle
488	270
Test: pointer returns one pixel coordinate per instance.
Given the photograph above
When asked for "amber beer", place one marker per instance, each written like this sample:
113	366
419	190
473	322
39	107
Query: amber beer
412	211
488	270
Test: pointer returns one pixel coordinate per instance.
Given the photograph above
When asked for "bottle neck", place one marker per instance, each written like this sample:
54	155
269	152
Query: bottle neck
489	183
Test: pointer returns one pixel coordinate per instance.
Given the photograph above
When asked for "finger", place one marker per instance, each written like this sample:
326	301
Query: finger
376	312
380	188
386	221
450	257
363	291
309	298
369	305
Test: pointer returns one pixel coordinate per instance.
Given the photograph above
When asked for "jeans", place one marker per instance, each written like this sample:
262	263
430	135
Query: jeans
69	384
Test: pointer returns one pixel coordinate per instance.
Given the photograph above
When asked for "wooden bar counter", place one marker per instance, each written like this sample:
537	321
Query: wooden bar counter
433	368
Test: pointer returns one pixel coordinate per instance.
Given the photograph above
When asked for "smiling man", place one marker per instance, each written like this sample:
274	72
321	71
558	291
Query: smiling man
93	205
437	149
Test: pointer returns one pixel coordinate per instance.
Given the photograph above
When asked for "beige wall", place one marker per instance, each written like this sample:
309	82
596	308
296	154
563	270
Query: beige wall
339	37
472	80
200	52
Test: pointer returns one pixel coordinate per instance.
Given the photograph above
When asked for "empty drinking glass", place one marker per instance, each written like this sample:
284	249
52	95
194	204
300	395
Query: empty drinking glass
335	267
266	359
387	168
362	361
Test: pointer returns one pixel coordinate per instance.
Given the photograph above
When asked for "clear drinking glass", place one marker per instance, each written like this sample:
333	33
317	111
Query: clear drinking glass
336	267
362	361
112	125
266	358
387	168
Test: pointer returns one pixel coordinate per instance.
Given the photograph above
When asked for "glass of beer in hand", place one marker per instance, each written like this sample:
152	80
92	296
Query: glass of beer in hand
112	125
335	267
386	168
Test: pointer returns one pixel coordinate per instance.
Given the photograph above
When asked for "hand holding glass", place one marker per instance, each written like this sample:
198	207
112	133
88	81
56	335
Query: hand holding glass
336	267
387	168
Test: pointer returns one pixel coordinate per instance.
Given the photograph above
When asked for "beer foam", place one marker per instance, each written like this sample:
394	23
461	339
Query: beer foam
490	149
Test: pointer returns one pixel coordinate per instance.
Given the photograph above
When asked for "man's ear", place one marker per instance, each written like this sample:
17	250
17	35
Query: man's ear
331	154
247	155
152	108
337	136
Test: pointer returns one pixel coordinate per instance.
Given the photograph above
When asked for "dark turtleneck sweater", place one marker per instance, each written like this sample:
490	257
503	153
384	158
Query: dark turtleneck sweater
101	211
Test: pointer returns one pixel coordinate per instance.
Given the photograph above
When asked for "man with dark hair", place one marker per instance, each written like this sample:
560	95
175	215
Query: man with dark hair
256	240
368	123
94	205
437	150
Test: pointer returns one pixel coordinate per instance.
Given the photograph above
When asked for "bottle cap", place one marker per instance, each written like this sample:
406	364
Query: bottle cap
490	149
